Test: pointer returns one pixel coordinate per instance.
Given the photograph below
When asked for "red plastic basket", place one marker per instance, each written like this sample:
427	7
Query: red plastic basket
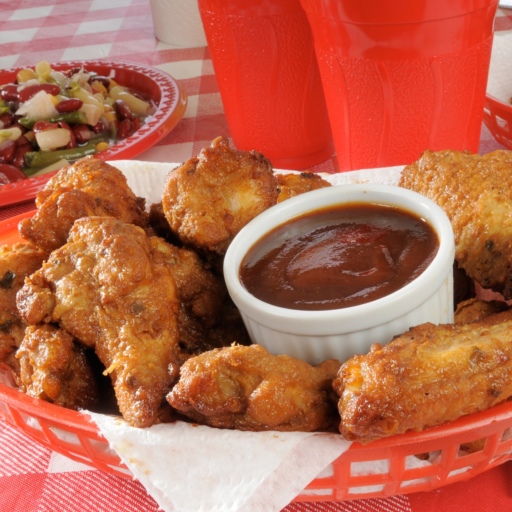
498	119
392	461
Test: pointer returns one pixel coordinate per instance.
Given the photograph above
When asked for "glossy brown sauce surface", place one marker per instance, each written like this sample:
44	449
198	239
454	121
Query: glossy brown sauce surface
339	257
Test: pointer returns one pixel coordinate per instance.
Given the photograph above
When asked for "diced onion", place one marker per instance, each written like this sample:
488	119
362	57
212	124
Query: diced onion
92	112
40	106
52	139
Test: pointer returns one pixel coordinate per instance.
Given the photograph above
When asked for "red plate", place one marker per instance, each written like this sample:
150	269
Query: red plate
171	103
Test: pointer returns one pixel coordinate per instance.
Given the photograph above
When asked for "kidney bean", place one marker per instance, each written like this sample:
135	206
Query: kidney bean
72	71
82	133
123	110
19	157
22	141
98	78
9	174
68	105
98	127
9	92
30	90
42	126
6	120
7	151
124	129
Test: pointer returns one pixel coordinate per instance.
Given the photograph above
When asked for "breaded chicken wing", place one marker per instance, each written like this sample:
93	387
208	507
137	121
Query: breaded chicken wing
428	376
476	193
294	184
246	388
110	288
209	198
88	187
16	263
207	317
474	310
55	368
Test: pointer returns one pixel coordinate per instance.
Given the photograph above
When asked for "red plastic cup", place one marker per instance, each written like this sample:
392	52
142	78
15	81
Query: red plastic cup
266	69
402	76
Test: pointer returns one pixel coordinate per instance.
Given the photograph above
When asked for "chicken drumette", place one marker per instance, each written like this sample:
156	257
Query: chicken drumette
54	368
88	187
16	263
209	198
110	288
247	388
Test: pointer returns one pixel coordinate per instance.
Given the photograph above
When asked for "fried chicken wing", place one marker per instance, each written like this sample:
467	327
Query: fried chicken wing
88	187
207	317
474	310
246	388
209	198
55	368
16	263
110	288
476	193
428	376
292	184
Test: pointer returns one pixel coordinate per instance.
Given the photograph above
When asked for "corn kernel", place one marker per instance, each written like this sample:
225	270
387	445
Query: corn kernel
24	75
43	69
102	146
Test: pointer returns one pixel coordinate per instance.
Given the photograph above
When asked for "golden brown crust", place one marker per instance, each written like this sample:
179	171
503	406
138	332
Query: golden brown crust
246	388
209	198
428	376
55	369
16	263
110	288
88	187
474	310
293	184
475	193
207	318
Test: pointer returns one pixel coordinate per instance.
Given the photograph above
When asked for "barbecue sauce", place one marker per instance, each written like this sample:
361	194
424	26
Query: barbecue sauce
339	257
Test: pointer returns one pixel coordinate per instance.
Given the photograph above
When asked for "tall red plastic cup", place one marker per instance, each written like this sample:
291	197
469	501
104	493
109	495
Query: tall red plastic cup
265	65
402	76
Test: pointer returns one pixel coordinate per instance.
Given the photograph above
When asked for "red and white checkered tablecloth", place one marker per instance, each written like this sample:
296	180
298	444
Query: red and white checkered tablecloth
33	478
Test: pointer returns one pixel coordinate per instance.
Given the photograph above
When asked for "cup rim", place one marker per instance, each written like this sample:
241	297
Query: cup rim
354	318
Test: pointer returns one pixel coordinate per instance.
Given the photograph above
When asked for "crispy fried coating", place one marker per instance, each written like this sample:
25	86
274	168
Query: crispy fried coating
476	193
474	310
207	317
292	184
55	368
16	263
246	388
158	223
209	198
110	287
428	376
88	187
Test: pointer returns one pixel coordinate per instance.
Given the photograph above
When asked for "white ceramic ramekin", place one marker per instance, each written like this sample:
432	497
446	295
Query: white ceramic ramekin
340	333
